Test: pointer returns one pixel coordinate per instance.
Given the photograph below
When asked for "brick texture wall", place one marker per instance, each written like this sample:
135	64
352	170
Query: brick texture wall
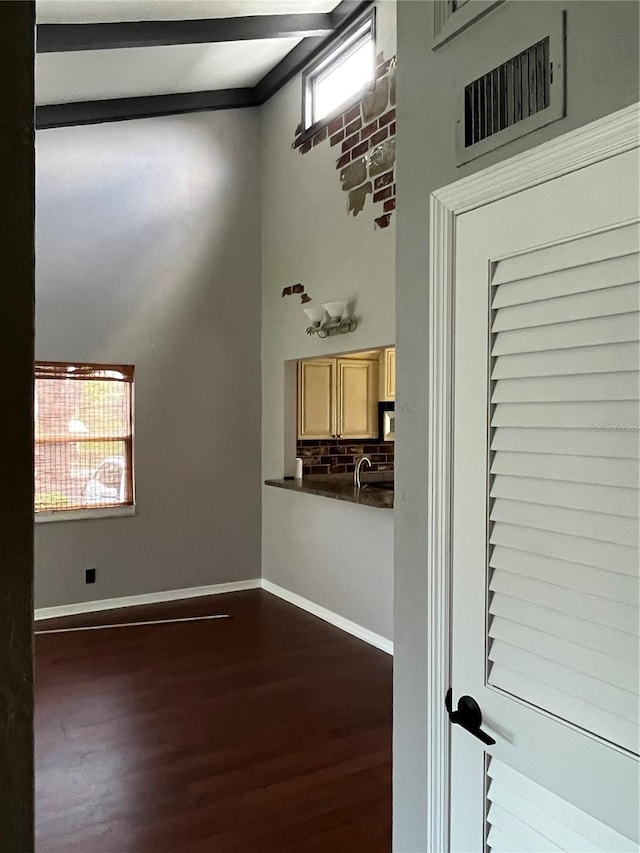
366	136
339	456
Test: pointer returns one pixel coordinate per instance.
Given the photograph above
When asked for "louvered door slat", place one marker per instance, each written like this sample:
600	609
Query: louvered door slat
582	279
498	842
620	472
556	831
513	825
623	617
605	583
602	444
589	833
580	333
589	525
574	628
607	668
570	495
561	309
609	358
580	252
572	415
566	680
608	386
564	619
586	714
591	552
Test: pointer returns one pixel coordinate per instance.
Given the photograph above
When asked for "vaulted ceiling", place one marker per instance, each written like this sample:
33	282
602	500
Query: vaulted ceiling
109	60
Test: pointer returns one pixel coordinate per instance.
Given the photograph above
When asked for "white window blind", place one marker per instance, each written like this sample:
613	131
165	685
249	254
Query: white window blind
564	521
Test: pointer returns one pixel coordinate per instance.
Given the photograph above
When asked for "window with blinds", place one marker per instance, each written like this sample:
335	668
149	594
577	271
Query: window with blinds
83	424
564	562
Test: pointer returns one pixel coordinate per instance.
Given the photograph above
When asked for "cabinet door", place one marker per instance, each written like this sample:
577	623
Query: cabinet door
316	405
390	373
357	398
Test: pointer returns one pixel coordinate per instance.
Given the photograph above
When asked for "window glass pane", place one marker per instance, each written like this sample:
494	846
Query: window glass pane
82	441
341	82
80	474
91	407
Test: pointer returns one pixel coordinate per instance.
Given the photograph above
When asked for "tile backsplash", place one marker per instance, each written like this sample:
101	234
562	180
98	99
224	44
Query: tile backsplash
339	456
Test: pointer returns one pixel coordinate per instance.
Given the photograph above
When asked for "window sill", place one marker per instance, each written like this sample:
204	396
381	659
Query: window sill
82	514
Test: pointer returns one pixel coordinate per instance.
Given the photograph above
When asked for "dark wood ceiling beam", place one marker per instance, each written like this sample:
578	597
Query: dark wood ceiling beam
344	13
149	106
288	67
124	109
61	38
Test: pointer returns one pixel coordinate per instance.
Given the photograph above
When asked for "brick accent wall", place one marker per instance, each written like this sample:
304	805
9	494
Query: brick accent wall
339	456
366	136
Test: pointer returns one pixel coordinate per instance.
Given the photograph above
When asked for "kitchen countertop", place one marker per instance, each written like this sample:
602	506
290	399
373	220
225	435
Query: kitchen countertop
340	487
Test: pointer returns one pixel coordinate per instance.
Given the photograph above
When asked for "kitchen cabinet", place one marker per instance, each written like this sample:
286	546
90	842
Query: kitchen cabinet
388	374
338	398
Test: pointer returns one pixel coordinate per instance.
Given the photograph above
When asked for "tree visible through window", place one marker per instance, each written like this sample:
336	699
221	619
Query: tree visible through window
83	436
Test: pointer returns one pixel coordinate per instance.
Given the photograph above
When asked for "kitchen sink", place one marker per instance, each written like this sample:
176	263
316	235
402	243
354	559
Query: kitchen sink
379	484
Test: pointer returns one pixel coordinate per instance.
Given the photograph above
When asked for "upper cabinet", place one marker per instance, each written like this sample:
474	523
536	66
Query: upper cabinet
388	374
338	398
356	398
316	395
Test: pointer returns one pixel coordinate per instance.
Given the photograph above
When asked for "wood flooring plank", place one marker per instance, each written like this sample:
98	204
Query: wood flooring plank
268	731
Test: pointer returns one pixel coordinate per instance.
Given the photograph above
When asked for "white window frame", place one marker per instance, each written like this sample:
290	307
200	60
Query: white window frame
338	51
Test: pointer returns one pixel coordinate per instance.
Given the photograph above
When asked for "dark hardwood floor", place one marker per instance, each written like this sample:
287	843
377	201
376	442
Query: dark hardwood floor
269	732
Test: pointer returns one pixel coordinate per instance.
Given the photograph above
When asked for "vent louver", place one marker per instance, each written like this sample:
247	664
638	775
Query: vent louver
513	91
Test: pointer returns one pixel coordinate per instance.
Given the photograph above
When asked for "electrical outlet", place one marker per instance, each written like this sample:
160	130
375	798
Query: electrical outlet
90	576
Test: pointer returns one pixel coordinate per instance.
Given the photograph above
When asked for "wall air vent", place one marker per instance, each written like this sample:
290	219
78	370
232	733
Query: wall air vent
521	94
515	90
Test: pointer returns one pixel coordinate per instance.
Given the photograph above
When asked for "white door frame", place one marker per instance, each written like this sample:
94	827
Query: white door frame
597	141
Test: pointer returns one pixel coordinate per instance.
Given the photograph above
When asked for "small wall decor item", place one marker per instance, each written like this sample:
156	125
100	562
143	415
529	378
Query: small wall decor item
294	289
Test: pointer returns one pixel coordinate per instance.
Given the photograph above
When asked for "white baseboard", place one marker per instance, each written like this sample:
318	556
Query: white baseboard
146	598
347	625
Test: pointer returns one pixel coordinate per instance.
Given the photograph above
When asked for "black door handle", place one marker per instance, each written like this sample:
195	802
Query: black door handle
469	716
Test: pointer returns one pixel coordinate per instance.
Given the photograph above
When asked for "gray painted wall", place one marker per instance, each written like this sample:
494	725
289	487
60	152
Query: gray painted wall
336	555
602	77
16	427
148	252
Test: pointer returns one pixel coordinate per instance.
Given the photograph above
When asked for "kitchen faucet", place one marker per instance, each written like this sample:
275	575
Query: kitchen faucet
356	473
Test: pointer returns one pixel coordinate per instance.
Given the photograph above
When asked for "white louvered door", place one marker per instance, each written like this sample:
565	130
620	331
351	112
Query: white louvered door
545	603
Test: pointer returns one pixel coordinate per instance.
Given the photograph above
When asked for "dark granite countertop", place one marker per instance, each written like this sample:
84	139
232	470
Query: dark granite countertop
340	487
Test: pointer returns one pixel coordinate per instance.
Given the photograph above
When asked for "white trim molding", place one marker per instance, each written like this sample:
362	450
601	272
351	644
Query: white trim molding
575	150
101	604
145	598
604	138
347	625
449	22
